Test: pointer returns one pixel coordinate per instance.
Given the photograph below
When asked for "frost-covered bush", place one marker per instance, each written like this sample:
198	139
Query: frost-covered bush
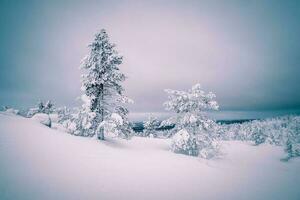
281	131
11	111
189	108
4	108
65	117
194	145
42	107
151	126
208	145
80	124
64	114
292	149
116	126
184	143
165	133
124	129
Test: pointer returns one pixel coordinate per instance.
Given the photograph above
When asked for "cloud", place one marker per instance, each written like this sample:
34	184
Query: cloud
247	53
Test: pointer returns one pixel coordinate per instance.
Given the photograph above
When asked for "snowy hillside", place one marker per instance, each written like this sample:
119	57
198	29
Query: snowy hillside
37	162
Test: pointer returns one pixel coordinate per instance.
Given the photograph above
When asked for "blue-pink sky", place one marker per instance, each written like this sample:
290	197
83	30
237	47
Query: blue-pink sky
247	52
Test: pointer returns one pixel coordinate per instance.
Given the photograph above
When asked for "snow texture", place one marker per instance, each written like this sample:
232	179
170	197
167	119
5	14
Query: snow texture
42	118
41	163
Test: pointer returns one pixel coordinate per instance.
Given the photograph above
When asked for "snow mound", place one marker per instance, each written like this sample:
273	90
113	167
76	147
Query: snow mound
37	162
42	118
54	117
11	111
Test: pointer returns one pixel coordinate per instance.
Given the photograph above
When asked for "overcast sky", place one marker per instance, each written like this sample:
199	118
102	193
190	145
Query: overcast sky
247	52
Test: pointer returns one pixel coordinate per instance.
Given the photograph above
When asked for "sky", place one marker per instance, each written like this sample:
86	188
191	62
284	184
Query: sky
246	52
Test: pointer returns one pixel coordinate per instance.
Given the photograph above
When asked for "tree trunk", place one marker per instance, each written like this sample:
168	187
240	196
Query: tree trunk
100	133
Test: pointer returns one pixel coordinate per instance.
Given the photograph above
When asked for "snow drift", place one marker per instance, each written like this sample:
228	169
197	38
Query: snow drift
37	162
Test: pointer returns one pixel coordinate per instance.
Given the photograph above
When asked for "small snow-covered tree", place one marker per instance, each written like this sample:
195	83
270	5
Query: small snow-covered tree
41	107
190	108
49	107
81	124
4	108
65	117
64	114
281	131
150	126
124	129
102	87
10	110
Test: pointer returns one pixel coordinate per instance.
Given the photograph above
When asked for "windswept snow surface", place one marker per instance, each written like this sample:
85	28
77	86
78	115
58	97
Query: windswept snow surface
37	162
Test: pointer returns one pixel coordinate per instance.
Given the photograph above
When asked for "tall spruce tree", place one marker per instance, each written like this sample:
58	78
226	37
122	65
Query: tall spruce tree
102	87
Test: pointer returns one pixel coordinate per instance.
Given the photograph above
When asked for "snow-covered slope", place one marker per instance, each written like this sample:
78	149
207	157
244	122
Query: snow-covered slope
37	162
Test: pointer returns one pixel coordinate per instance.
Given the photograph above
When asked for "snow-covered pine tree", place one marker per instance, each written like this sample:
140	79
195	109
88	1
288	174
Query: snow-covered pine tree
49	107
40	107
191	119
102	87
150	126
123	129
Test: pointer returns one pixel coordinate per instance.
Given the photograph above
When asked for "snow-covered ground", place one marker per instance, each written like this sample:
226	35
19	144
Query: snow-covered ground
37	162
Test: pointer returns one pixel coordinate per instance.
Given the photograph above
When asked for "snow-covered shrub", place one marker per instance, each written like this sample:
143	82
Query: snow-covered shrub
151	126
42	118
102	87
208	145
81	124
124	129
31	112
42	107
292	149
184	143
10	111
4	108
169	122
165	133
23	112
64	114
292	144
114	126
190	116
282	131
